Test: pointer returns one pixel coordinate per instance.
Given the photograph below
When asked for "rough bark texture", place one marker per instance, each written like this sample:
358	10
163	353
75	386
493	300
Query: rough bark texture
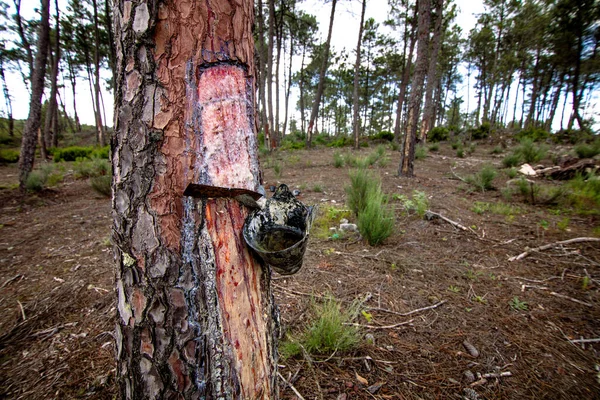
32	125
416	93
195	310
52	139
355	122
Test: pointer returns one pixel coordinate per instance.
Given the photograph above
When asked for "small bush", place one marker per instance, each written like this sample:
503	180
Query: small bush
102	184
434	147
383	135
77	152
460	153
35	182
341	142
420	153
438	134
9	156
530	152
511	160
418	204
481	132
292	145
588	150
361	183
277	169
535	134
512	173
483	179
394	146
84	168
584	194
457	145
328	332
317	187
338	160
496	150
376	221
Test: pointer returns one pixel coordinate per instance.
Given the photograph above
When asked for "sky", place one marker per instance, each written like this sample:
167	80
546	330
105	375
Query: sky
345	35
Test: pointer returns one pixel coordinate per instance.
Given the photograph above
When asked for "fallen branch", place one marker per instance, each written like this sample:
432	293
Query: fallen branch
291	386
497	375
379	327
562	296
14	278
22	310
406	314
552	245
429	215
594	340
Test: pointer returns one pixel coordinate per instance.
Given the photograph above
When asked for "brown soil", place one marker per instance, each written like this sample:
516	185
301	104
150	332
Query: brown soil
57	296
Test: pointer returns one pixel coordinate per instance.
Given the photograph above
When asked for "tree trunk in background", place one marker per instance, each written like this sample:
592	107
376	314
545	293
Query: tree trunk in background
23	37
51	139
289	86
32	125
301	88
264	122
407	158
99	124
268	135
432	72
317	101
107	19
355	120
276	129
73	80
196	317
8	102
405	78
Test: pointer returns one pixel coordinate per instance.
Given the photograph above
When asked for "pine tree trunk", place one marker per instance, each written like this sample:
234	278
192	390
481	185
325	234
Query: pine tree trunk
355	120
32	125
49	133
270	116
288	88
99	124
432	72
301	88
7	101
196	317
405	77
407	159
321	86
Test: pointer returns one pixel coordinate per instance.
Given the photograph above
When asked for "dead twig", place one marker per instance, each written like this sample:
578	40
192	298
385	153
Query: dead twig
406	314
14	278
552	245
22	310
562	296
379	327
296	392
429	215
594	340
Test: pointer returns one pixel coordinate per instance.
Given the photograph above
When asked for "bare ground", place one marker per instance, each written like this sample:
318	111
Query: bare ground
429	288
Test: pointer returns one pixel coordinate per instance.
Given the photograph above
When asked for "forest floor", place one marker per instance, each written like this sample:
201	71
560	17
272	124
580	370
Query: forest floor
447	315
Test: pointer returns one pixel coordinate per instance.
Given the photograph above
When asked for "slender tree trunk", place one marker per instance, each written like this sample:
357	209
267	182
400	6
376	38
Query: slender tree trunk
317	101
534	90
107	20
262	71
289	87
268	137
99	124
23	37
73	79
407	159
32	125
355	119
276	129
195	309
49	138
8	102
432	72
405	77
301	87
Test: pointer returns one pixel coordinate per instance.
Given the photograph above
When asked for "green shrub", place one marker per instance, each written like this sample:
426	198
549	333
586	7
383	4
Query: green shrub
496	150
322	139
511	160
338	160
292	145
341	142
530	152
438	134
457	145
481	132
35	182
328	332
434	147
395	146
420	153
460	153
584	194
573	136
483	179
588	150
383	135
102	184
84	168
72	153
376	221
361	183
512	173
9	156
535	134
419	203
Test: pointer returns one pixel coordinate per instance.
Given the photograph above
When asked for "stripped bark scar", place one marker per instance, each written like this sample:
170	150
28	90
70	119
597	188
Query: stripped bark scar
226	131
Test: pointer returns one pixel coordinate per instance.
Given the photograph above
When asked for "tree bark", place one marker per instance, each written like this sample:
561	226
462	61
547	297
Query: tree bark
407	159
432	72
262	71
99	124
23	37
32	125
270	74
405	77
317	101
50	139
196	317
289	86
7	100
355	119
